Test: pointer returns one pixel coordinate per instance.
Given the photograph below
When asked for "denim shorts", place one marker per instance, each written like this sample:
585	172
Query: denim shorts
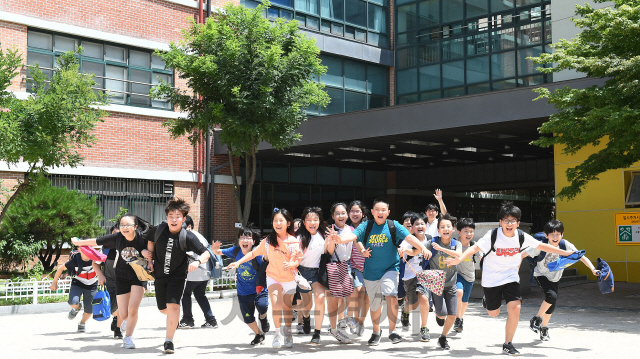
466	287
310	274
75	292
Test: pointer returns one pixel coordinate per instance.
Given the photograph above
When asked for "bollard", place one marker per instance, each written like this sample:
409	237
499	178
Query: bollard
35	292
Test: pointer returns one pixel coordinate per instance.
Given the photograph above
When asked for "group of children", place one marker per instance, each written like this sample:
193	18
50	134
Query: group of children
295	262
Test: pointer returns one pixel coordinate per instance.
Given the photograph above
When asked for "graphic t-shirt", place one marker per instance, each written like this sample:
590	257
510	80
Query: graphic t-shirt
541	268
501	266
384	255
169	260
127	250
437	261
467	268
415	262
85	276
246	275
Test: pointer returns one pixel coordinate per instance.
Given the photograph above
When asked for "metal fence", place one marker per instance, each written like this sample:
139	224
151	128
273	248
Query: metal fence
37	289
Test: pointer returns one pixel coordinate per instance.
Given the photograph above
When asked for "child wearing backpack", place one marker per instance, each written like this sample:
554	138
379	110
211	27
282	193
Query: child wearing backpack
500	279
547	280
84	285
246	277
466	270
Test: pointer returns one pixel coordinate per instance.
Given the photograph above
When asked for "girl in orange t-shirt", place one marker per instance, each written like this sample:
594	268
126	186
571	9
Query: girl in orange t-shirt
282	250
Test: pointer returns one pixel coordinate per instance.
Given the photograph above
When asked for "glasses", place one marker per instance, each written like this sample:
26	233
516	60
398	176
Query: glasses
505	221
355	212
243	238
174	219
127	226
340	214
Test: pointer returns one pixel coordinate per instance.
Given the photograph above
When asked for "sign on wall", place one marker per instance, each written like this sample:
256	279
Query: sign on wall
628	228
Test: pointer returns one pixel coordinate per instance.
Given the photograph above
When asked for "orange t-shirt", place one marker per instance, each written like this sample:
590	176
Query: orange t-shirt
287	251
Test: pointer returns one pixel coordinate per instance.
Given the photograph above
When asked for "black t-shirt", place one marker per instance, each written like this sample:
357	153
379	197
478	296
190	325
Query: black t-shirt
123	269
84	271
169	260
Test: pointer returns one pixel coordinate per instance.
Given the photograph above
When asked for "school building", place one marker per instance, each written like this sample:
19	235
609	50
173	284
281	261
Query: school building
425	94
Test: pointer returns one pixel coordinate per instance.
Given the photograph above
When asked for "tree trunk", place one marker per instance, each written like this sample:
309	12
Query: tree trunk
236	189
15	194
250	168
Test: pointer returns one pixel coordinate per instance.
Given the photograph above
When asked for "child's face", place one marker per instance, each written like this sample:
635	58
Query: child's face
340	216
466	235
355	214
280	224
380	212
407	224
419	227
509	225
127	226
554	238
175	219
445	229
246	242
431	214
311	222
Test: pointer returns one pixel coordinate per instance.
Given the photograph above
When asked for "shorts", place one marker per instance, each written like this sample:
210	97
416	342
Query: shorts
466	287
287	287
75	292
111	289
493	295
449	298
169	291
310	274
249	303
383	287
123	286
550	290
410	289
358	278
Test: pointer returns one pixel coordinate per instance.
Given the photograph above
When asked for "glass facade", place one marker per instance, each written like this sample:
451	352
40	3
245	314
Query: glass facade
447	48
359	20
126	73
353	86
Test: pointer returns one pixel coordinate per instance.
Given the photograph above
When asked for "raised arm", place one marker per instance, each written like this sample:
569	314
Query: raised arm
438	196
83	242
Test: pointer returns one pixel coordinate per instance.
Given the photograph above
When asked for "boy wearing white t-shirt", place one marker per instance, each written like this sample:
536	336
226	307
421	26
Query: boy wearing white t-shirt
500	278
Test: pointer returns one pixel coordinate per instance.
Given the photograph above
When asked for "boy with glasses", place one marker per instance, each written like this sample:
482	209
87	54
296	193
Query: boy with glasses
500	265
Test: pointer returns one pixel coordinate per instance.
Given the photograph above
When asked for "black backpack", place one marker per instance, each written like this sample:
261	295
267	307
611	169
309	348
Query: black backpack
540	257
494	237
254	262
392	230
182	238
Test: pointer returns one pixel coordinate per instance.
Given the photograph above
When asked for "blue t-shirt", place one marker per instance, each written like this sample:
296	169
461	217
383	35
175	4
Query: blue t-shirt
384	255
246	275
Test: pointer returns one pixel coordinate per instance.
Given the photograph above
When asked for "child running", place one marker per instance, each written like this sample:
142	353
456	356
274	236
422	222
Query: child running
246	277
282	250
402	296
466	271
547	280
500	280
84	285
358	301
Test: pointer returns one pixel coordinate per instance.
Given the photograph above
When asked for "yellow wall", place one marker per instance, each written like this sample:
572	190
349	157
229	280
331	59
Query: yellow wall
589	218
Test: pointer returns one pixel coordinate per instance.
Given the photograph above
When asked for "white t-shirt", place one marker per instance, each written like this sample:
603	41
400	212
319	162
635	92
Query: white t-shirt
343	250
432	229
415	262
541	268
501	266
312	254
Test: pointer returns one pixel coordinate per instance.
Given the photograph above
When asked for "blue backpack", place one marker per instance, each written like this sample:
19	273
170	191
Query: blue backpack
101	304
214	271
453	244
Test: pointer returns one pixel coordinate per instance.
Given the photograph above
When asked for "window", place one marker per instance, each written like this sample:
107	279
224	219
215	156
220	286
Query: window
127	74
633	191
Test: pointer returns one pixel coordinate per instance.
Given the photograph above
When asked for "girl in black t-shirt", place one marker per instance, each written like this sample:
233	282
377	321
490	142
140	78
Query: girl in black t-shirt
130	242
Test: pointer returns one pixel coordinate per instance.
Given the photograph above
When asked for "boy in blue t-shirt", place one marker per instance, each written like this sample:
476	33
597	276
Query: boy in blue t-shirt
381	265
246	276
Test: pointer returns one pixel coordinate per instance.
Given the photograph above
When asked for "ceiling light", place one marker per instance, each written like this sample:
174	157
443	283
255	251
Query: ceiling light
490	158
384	158
444	153
456	140
330	153
298	154
392	146
357	149
421	143
507	147
431	163
356	160
410	155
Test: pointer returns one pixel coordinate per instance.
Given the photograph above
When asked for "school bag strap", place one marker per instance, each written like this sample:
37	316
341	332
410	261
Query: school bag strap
453	245
392	231
542	254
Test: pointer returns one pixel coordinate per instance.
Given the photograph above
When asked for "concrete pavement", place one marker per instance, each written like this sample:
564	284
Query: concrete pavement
581	331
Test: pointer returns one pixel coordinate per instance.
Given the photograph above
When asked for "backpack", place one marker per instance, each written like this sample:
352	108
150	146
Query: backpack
545	240
453	244
101	304
182	238
254	262
494	237
74	256
215	271
392	231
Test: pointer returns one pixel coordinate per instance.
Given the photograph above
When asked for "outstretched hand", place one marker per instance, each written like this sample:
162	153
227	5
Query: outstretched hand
366	253
233	265
438	194
216	245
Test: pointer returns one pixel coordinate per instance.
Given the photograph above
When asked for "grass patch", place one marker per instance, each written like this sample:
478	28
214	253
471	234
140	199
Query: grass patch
41	300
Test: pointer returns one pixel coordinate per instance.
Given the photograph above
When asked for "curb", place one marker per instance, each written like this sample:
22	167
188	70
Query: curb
63	306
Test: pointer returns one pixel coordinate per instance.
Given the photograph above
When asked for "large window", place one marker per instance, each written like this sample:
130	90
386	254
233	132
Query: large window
455	47
144	198
353	86
359	20
125	73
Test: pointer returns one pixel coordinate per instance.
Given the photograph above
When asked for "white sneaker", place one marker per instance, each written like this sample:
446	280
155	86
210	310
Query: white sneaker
123	327
300	329
127	343
288	338
277	339
340	336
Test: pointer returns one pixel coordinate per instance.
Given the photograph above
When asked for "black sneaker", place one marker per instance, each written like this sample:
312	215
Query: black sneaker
185	324
424	334
395	338
264	324
544	334
484	303
440	321
258	339
306	324
211	324
114	323
168	348
457	326
117	334
430	309
510	350
405	319
315	339
444	344
374	340
534	323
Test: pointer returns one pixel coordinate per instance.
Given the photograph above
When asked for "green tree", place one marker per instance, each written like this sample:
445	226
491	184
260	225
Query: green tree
607	47
47	217
48	129
253	78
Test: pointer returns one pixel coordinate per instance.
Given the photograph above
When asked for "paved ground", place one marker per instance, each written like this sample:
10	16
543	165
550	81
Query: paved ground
587	325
